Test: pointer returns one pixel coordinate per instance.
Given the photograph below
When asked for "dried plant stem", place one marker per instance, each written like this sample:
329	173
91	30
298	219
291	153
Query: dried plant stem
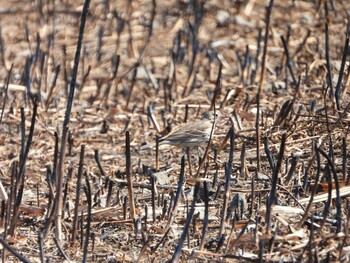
180	244
301	222
226	198
58	210
178	192
6	93
328	62
128	175
157	153
60	248
87	190
77	194
41	247
341	72
206	216
272	197
13	252
20	176
336	181
261	82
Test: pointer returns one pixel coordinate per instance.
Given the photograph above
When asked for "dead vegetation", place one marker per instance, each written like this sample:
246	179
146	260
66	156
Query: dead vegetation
272	185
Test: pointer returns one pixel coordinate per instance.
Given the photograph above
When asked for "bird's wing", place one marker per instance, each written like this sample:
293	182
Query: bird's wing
194	131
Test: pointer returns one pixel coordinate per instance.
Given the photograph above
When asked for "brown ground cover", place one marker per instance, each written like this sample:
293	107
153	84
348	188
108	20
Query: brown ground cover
274	182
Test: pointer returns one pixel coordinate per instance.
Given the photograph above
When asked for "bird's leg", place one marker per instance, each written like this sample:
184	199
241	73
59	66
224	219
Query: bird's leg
200	151
189	160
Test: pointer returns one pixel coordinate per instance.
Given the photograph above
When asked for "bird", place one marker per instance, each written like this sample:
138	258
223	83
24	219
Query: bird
192	134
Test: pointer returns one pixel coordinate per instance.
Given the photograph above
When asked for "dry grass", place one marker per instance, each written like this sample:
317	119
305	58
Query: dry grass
37	39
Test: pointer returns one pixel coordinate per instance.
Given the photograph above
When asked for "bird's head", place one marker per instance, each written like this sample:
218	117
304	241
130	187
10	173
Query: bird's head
212	116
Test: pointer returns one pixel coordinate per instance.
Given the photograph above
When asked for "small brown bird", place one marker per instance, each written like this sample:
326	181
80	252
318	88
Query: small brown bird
192	134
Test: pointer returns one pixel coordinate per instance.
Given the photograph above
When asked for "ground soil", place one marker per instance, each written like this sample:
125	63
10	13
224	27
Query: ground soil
145	69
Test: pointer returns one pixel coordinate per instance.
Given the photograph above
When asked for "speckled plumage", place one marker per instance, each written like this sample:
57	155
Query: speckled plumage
192	134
